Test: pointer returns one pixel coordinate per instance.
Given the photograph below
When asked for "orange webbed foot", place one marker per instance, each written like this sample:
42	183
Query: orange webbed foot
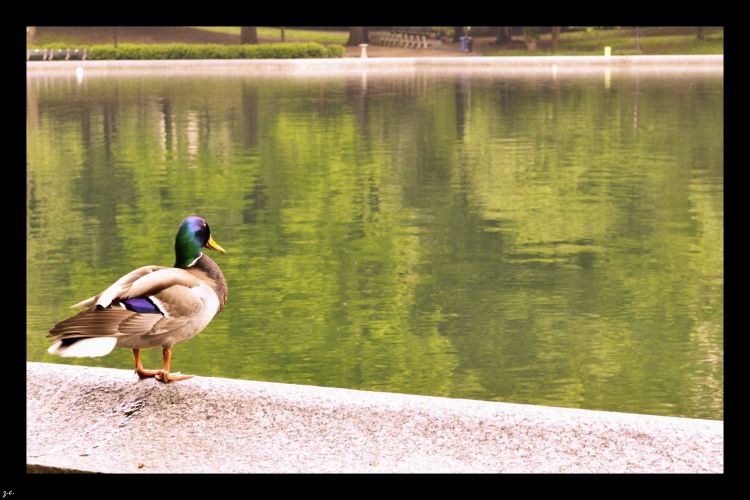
167	377
143	373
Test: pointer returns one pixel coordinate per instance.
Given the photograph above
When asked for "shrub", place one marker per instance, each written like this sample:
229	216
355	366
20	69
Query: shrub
215	51
335	51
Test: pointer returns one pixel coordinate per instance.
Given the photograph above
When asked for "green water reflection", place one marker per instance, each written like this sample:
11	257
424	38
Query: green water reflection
529	240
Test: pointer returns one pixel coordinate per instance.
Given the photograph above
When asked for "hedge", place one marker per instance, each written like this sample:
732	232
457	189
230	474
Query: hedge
215	51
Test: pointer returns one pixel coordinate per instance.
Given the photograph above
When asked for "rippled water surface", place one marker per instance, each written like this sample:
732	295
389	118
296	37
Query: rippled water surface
542	240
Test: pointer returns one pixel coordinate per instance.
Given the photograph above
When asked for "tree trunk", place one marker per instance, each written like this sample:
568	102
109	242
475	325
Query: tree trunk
248	34
283	34
503	35
530	37
357	35
30	34
699	33
458	32
555	36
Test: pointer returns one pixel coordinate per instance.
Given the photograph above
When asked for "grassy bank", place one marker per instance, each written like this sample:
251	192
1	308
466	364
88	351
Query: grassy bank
658	40
85	36
662	40
291	35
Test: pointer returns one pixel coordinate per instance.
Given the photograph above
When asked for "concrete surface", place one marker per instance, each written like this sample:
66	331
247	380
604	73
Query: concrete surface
106	420
560	65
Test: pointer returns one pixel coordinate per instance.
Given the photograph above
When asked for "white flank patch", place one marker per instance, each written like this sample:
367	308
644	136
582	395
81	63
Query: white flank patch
210	305
210	301
84	348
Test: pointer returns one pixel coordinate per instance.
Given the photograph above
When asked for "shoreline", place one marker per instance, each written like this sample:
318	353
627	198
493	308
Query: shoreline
557	65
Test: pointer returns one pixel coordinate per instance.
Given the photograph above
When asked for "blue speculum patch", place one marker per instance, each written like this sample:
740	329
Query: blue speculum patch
141	305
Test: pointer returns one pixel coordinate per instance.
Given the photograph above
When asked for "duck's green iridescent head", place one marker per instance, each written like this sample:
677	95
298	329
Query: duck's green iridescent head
192	236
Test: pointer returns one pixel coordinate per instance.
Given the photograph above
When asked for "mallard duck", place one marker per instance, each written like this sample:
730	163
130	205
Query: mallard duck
152	306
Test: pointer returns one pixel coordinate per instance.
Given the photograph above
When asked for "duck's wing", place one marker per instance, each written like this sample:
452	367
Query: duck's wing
151	300
150	283
118	287
110	322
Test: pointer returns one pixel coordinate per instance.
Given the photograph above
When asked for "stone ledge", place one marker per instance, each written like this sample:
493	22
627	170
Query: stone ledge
562	65
106	420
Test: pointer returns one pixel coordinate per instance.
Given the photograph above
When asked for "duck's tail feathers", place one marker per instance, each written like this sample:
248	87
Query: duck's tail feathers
83	347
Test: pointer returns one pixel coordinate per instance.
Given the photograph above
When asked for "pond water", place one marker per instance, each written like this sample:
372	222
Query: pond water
543	240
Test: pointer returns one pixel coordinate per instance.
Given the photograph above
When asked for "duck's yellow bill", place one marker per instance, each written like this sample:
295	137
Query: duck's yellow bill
212	244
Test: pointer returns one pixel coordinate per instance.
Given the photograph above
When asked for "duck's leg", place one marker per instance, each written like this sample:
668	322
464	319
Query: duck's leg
142	372
164	375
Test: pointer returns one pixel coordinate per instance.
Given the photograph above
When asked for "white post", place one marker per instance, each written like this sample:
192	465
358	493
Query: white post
363	47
